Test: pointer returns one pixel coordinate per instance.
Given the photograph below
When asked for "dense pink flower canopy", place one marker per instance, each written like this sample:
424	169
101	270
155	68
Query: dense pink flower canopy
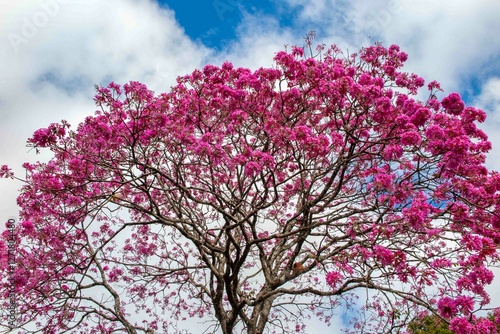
257	199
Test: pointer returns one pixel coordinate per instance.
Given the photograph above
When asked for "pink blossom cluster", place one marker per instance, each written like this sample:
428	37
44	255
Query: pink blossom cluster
238	191
6	172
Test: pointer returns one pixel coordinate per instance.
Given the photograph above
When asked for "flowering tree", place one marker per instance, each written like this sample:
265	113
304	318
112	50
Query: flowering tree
258	199
432	324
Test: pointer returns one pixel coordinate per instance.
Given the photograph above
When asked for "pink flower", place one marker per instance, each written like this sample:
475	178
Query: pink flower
460	325
403	56
420	116
383	254
114	274
48	136
453	104
410	138
42	138
383	181
252	168
365	79
447	307
435	132
485	326
434	85
27	225
389	70
333	278
441	263
6	172
392	152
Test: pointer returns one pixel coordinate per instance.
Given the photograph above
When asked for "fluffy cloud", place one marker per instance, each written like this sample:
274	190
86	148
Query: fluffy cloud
446	41
54	51
489	100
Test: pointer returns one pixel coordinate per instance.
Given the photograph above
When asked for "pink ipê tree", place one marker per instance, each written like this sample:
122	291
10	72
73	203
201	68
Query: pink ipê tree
257	200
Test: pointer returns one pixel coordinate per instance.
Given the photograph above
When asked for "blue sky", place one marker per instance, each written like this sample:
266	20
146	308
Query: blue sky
52	52
214	23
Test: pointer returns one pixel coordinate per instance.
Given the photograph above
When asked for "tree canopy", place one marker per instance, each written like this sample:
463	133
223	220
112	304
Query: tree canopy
428	325
258	199
432	324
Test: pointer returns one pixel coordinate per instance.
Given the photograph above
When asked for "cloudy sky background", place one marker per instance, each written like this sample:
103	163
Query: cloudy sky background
52	53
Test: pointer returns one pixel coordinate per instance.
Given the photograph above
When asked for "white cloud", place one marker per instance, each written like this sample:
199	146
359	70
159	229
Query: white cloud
258	40
312	10
54	51
489	100
446	41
